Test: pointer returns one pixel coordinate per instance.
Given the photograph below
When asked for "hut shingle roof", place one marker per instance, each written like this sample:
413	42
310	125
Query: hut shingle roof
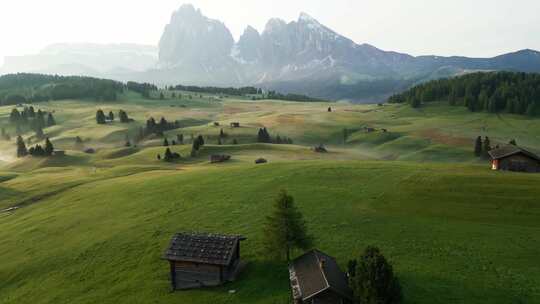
315	272
202	248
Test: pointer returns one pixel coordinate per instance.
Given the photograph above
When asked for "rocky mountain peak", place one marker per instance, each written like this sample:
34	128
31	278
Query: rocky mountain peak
192	37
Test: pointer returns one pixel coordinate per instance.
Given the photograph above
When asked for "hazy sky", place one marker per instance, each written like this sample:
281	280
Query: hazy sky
418	27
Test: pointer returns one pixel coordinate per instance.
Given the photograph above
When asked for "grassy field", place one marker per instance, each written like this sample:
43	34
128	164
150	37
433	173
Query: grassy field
455	233
92	227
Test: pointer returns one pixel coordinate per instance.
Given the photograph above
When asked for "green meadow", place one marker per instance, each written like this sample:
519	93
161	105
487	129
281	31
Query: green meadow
91	228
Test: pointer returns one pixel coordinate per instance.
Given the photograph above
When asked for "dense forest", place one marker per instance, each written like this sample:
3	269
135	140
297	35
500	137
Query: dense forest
217	90
517	93
20	88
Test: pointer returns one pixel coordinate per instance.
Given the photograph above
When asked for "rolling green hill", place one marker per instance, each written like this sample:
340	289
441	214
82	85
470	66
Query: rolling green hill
91	227
455	233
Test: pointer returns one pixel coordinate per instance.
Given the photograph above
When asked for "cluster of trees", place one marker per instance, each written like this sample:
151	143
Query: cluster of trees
290	97
28	117
169	156
517	93
36	151
24	87
481	148
158	128
142	88
264	137
217	90
102	119
198	143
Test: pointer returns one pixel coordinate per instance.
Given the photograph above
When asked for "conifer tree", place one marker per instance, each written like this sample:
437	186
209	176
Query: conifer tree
168	155
50	120
513	142
100	117
165	142
285	229
21	147
374	281
49	148
478	146
111	116
487	146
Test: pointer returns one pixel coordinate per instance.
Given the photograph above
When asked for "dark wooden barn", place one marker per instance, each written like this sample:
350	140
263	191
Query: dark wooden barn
514	158
316	278
203	260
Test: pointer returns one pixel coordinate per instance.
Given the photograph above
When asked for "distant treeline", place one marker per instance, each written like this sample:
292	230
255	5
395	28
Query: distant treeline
23	87
243	91
217	90
517	93
142	88
290	97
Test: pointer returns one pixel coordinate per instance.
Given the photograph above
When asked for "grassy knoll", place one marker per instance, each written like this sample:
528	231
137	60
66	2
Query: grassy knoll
455	233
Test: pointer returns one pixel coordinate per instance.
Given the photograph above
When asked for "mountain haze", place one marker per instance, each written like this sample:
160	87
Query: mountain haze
302	56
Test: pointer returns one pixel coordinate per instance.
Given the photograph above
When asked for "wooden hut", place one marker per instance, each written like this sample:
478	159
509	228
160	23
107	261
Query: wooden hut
203	260
316	278
514	158
219	158
235	125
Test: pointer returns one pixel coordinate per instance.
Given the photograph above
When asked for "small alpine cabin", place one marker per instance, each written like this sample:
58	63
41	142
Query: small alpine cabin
235	125
514	158
203	260
317	279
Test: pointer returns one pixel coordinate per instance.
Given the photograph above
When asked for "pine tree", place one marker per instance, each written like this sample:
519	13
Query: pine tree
180	138
165	142
111	116
235	142
161	96
100	117
158	157
285	229
49	148
168	155
201	140
478	146
50	120
513	142
14	117
487	147
219	141
123	116
21	147
374	281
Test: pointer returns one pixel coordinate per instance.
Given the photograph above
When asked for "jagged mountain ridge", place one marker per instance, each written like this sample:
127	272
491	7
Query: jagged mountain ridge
304	56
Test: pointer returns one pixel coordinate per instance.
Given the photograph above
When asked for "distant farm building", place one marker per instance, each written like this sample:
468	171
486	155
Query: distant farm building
316	278
203	260
219	158
514	158
235	125
261	161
